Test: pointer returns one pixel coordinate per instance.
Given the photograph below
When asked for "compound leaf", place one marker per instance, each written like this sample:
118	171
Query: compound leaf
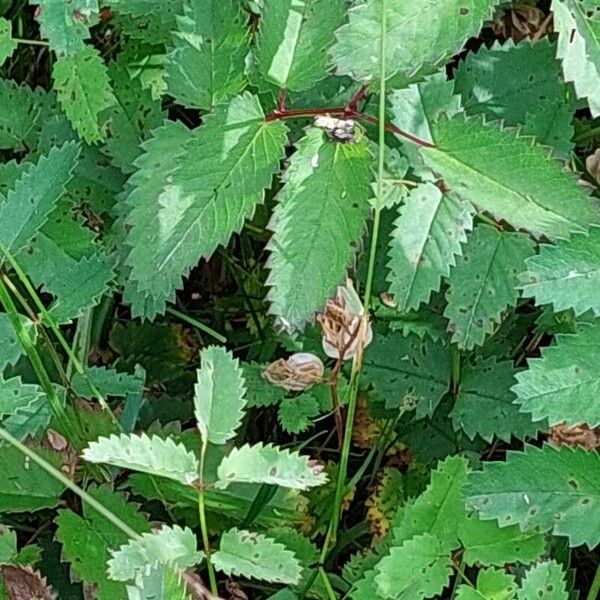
206	67
152	455
317	224
482	285
419	36
255	556
544	488
509	176
270	465
563	385
566	275
220	395
216	182
427	237
293	40
83	89
578	26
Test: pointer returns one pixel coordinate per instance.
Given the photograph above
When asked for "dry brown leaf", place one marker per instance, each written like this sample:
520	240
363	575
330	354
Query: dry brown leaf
23	583
580	436
296	373
523	21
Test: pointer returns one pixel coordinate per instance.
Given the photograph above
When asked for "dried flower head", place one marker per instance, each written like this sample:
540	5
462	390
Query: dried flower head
592	164
580	436
341	322
296	373
523	21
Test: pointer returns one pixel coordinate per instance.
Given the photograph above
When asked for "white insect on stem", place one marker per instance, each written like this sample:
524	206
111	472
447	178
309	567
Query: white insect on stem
338	130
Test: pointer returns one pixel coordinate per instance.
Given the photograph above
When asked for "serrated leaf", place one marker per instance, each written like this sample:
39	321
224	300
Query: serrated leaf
316	225
510	177
158	582
259	392
19	112
408	372
566	275
296	414
206	67
270	465
168	545
522	85
109	382
152	455
562	385
578	48
83	90
483	283
438	510
35	194
293	40
66	24
219	400
7	44
216	183
485	403
86	540
492	584
24	485
255	556
486	543
546	488
11	349
427	237
420	35
16	395
149	21
419	568
544	581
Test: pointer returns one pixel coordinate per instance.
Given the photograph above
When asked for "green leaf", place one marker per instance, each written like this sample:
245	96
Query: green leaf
271	465
206	67
296	414
408	372
168	545
483	283
66	24
566	275
563	385
11	349
420	36
545	488
492	584
438	510
7	44
255	556
510	177
150	21
86	540
219	400
216	183
159	582
35	194
485	404
420	568
486	543
109	382
316	225
8	545
16	395
24	485
29	420
147	454
83	90
544	581
578	30
293	40
427	237
19	112
522	85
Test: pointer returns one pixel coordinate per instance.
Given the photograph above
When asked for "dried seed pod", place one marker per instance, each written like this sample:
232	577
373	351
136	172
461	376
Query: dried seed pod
341	324
592	164
296	373
580	436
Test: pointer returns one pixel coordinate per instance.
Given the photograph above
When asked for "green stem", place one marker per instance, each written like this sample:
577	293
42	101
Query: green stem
37	364
587	135
203	528
197	324
340	487
595	587
100	508
49	320
330	592
31	42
